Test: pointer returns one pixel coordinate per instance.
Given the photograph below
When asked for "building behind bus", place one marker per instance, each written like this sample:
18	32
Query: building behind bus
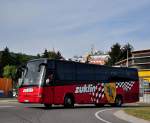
141	60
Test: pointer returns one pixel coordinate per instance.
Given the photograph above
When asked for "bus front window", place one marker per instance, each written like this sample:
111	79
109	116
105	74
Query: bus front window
34	74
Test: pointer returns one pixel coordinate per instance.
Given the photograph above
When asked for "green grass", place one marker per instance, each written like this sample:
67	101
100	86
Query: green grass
140	112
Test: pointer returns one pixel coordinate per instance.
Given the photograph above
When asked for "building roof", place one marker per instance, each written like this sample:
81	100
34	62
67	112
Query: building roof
141	51
100	57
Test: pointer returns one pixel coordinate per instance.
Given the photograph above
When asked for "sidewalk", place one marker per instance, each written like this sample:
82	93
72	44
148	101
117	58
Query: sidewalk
124	116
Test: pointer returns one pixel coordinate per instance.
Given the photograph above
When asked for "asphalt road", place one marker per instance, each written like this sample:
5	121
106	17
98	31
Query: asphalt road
27	113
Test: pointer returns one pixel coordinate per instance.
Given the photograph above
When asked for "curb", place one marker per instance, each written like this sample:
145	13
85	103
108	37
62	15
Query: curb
8	100
124	116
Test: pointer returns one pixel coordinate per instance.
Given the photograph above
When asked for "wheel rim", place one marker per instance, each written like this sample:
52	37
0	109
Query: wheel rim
47	105
69	101
118	102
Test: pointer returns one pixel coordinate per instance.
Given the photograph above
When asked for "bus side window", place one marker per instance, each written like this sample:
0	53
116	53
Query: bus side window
49	78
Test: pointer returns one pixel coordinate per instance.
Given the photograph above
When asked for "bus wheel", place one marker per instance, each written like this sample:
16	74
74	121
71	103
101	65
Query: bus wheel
68	101
118	101
48	106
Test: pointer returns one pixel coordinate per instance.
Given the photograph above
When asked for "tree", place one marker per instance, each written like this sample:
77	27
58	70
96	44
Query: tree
126	51
118	53
45	54
38	55
52	55
59	56
9	71
22	58
6	58
114	54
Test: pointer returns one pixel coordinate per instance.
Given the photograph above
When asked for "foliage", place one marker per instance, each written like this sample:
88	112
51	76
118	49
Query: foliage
22	58
6	58
45	54
9	58
118	53
52	55
114	54
38	55
10	62
126	49
9	71
140	112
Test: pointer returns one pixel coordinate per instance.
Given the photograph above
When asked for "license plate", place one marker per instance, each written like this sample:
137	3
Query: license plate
26	100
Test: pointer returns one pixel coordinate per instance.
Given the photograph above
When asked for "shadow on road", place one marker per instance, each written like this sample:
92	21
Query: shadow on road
62	107
55	107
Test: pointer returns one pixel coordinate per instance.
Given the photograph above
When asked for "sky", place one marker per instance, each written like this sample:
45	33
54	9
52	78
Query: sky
73	26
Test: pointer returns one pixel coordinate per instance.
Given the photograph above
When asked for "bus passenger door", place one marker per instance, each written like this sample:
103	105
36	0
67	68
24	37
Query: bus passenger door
48	92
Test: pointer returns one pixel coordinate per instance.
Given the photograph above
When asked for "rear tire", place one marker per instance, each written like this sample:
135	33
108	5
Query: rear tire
47	106
68	102
118	101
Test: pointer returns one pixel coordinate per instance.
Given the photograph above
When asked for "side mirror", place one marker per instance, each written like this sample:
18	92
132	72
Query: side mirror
40	65
20	81
47	81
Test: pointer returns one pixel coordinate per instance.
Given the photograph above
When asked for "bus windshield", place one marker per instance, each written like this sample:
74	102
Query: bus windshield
34	73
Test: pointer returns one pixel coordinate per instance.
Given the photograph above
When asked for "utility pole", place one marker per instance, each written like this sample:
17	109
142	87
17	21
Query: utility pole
127	64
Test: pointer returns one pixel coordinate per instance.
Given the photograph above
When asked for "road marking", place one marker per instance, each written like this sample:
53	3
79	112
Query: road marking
101	119
6	106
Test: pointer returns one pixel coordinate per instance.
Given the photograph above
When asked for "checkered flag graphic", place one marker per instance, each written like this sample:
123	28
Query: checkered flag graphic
125	85
99	93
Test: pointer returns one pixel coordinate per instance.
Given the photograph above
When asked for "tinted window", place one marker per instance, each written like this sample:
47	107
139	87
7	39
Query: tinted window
85	72
51	64
124	74
102	73
65	70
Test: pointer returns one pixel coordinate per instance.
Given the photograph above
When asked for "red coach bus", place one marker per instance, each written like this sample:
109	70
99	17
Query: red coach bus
67	83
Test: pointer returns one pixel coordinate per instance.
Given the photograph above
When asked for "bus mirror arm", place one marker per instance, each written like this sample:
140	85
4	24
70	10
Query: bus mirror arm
22	68
40	65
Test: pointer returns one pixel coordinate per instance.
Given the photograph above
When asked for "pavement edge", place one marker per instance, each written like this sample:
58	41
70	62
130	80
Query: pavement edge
124	116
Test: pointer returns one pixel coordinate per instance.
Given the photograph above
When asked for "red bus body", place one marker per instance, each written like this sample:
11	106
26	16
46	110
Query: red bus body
91	92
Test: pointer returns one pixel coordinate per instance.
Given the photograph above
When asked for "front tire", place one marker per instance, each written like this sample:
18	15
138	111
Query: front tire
68	102
47	106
